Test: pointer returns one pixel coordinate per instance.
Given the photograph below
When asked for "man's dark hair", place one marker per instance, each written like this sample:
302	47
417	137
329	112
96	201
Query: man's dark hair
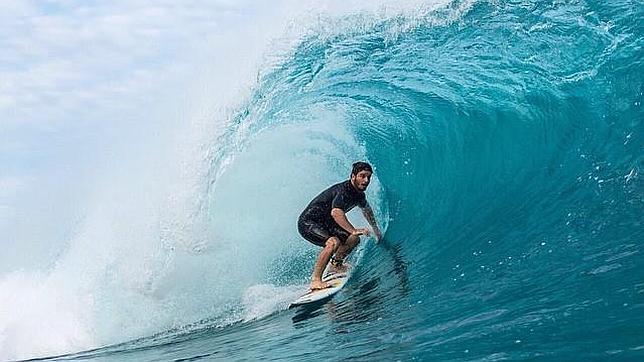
361	166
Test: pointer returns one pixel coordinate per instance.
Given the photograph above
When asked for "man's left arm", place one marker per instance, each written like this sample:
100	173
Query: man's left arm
368	214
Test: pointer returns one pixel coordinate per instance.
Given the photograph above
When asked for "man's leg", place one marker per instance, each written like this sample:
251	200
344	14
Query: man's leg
345	249
330	247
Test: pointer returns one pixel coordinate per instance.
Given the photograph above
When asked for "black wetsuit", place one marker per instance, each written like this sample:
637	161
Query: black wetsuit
316	223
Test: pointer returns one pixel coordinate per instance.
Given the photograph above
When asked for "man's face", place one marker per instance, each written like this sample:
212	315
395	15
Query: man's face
361	180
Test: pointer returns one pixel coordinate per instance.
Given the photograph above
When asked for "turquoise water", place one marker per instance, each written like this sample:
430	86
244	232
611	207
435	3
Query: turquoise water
507	140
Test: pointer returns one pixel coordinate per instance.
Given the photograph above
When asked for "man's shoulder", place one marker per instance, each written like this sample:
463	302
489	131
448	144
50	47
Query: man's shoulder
339	186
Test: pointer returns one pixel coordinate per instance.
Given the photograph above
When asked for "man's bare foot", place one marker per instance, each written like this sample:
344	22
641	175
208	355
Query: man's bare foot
318	284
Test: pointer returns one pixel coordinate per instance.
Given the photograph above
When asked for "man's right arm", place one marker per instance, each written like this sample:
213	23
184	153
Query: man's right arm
341	218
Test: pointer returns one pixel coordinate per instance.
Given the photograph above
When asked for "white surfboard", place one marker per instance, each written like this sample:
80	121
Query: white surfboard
337	281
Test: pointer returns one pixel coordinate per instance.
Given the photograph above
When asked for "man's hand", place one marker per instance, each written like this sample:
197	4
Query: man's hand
361	231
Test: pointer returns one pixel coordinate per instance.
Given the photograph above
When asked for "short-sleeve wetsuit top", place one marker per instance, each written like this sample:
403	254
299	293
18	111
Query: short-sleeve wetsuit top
316	223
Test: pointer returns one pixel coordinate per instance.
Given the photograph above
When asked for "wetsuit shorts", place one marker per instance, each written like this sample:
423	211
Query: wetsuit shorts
318	231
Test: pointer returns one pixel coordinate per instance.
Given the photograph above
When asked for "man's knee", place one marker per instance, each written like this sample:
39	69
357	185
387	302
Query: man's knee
333	242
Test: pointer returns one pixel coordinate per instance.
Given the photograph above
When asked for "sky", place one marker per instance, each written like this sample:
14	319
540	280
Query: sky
77	78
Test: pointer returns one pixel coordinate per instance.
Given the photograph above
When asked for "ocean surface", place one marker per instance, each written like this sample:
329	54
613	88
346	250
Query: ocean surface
507	139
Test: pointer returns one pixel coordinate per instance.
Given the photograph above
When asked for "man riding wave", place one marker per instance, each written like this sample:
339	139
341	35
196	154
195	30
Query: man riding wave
324	222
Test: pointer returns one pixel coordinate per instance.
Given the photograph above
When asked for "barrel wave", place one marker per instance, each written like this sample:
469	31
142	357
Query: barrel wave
507	143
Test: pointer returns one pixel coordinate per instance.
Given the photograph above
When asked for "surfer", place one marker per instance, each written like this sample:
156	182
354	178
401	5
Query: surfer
324	223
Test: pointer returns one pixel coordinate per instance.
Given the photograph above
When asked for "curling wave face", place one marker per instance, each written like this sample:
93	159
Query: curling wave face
507	145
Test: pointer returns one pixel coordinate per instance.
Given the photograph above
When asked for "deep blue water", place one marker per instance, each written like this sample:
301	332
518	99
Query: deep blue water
507	140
